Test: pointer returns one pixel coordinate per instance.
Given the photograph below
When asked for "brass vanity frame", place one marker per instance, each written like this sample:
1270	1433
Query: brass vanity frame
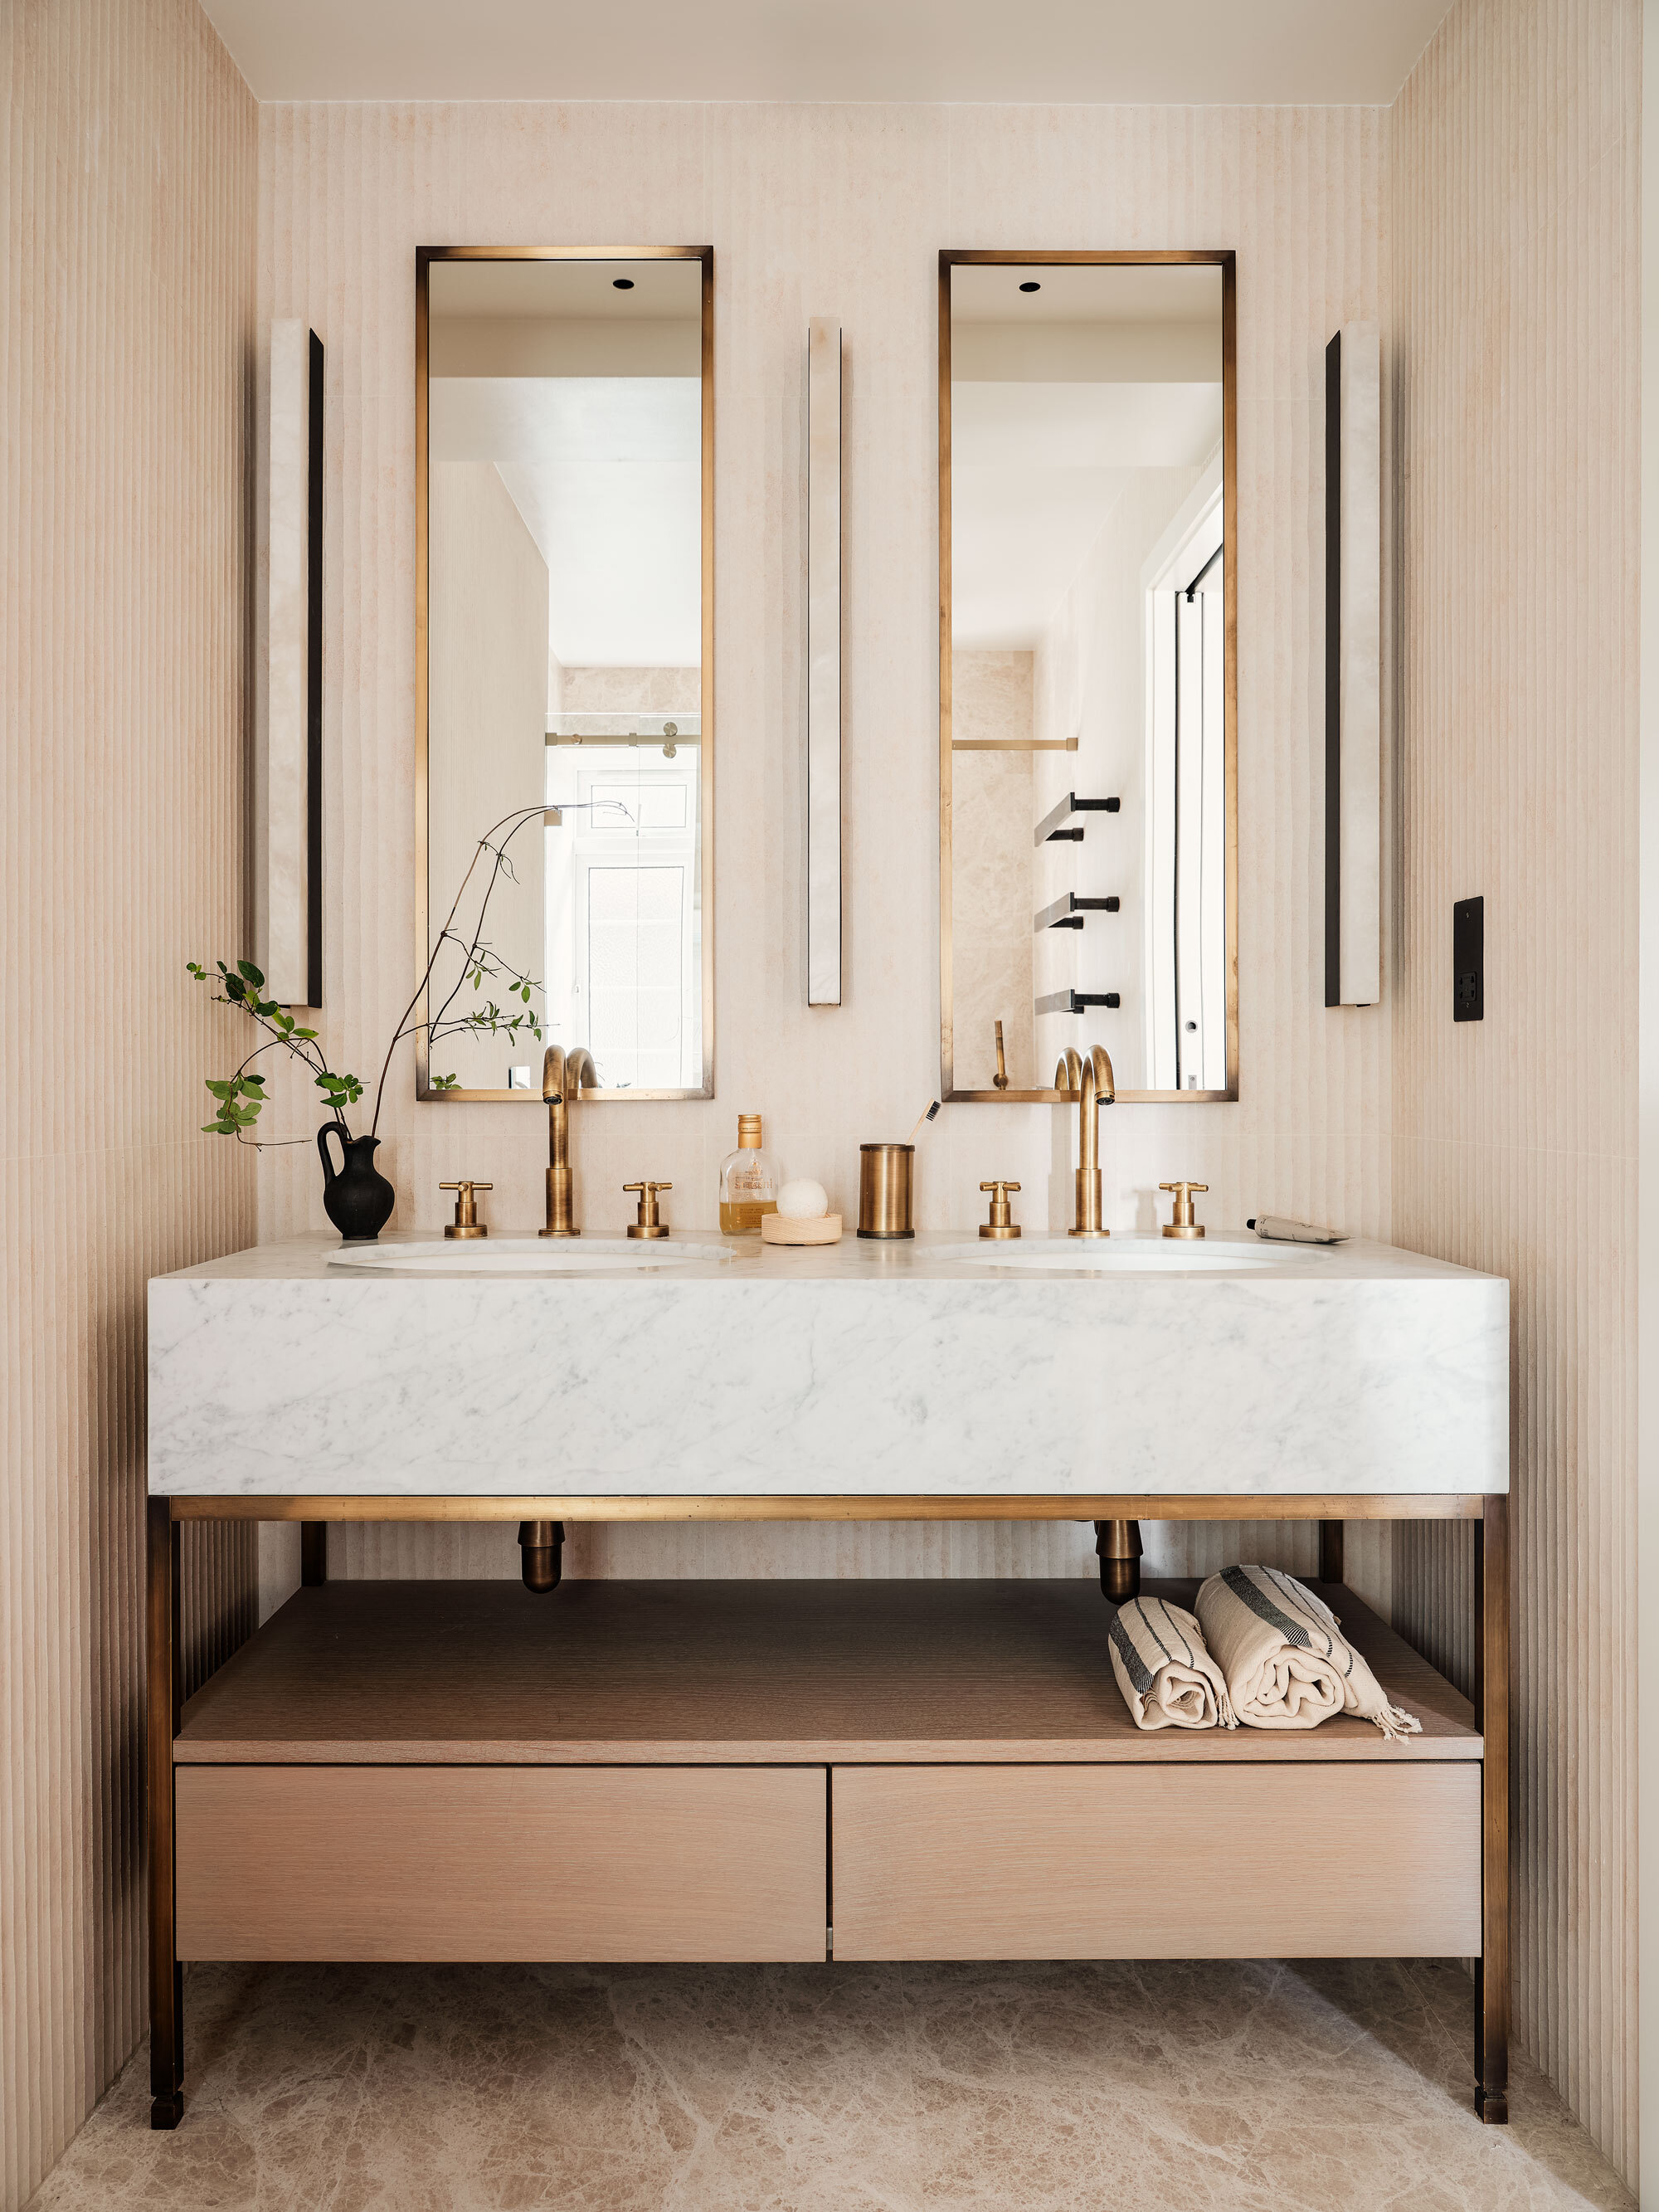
424	256
1489	1515
1225	259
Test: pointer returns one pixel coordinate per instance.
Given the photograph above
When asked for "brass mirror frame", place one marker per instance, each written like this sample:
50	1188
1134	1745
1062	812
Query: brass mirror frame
1223	258
424	256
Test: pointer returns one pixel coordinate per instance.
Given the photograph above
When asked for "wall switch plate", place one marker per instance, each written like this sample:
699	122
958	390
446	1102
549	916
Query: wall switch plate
1469	960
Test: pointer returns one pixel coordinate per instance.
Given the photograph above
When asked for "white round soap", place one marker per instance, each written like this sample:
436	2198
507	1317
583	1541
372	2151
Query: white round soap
803	1200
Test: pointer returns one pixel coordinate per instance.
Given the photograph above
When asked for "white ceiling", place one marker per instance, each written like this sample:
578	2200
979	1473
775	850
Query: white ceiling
1228	51
1036	470
607	473
1085	292
649	291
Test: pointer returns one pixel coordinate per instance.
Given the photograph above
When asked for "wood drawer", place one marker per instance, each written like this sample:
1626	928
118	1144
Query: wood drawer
501	1862
1189	1861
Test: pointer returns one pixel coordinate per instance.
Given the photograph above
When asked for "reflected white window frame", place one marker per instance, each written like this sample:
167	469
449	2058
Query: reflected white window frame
598	843
1193	548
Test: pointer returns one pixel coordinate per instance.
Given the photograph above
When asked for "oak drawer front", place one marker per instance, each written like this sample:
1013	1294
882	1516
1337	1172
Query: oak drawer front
501	1862
1157	1861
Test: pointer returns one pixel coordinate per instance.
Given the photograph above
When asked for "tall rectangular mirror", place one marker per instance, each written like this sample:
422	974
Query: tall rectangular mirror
1088	695
564	629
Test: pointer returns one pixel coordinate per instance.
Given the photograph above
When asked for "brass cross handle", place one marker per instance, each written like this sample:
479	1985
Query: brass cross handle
1002	1222
466	1222
1184	1223
648	1224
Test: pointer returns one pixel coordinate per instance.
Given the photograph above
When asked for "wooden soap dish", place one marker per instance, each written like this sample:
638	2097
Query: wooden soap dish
775	1229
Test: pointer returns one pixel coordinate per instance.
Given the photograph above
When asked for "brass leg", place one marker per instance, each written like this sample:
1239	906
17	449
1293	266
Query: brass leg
1330	1550
1492	1703
313	1554
1118	1544
166	1979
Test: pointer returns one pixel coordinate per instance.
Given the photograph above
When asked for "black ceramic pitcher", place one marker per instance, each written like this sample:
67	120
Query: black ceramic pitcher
356	1197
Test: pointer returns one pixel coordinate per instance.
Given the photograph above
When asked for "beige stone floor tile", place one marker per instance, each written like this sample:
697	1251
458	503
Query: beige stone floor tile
1329	2086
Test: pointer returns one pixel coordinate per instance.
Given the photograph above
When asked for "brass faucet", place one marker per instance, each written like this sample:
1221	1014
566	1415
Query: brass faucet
1090	1083
562	1076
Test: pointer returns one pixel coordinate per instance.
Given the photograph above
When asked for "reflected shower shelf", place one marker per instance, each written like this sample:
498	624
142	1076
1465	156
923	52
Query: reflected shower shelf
1051	831
1068	912
1074	1002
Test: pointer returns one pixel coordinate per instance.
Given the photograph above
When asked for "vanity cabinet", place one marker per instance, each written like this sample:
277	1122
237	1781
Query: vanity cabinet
806	1771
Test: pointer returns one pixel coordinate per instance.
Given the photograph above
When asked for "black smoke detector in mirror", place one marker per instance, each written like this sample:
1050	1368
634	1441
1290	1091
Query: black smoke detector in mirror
623	283
1031	285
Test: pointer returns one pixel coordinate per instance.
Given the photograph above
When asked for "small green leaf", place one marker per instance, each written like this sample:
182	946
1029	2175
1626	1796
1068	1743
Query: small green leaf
246	969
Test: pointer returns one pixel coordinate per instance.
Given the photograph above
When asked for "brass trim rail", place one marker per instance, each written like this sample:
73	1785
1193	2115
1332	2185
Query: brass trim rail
1392	1505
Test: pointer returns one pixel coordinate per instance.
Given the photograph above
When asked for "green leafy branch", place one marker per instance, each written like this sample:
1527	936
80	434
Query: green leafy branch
480	963
240	1098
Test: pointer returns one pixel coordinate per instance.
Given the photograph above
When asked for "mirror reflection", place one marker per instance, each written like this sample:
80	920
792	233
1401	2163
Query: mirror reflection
1087	763
565	590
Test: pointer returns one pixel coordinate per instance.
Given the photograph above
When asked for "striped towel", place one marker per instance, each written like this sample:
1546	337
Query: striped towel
1285	1664
1167	1677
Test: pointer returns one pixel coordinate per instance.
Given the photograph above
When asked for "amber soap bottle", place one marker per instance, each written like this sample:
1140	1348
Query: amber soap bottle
749	1182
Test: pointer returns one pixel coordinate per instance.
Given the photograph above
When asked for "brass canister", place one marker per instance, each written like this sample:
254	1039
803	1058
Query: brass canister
884	1175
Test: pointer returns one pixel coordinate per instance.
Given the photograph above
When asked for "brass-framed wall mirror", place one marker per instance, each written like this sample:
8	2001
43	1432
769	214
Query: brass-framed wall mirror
1088	681
564	630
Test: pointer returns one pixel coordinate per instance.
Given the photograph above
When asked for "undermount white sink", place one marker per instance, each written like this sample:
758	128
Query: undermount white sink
526	1256
1117	1256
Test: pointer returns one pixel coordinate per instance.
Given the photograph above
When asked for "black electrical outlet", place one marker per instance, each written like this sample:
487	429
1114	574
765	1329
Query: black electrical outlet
1469	960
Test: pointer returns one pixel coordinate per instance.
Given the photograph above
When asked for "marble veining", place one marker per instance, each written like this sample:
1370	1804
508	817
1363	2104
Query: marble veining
1332	2085
860	1369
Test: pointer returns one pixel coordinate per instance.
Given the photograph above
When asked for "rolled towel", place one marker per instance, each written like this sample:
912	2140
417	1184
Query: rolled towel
1283	1656
1167	1677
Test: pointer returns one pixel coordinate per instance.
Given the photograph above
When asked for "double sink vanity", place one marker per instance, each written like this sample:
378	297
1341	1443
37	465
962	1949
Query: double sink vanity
817	1771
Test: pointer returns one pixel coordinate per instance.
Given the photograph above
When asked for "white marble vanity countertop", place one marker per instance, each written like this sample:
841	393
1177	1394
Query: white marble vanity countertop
939	1366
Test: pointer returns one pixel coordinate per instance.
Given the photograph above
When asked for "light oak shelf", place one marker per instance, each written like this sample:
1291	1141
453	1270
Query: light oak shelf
685	1673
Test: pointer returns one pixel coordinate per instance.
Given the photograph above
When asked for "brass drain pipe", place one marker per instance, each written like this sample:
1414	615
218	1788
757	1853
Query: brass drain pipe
1118	1544
541	1543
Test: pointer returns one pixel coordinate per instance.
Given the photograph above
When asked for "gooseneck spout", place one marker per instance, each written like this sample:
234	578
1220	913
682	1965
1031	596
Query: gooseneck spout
563	1074
1091	1082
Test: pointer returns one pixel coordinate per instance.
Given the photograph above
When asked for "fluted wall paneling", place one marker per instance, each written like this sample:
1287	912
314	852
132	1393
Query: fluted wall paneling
833	210
1514	359
127	172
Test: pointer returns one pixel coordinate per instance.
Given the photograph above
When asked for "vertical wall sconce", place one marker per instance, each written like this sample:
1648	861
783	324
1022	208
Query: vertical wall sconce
1353	668
824	900
288	859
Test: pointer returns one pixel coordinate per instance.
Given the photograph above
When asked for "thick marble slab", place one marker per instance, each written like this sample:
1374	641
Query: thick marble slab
854	1369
